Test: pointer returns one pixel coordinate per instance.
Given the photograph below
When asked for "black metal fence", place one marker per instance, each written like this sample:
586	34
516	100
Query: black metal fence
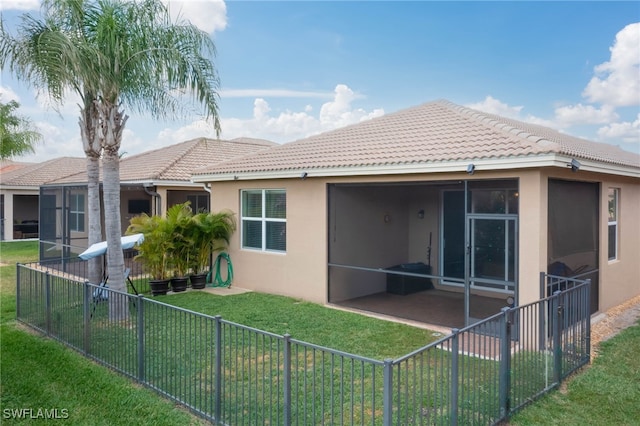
232	374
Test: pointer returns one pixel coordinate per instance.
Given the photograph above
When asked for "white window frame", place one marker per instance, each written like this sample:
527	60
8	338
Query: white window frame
77	212
262	219
613	222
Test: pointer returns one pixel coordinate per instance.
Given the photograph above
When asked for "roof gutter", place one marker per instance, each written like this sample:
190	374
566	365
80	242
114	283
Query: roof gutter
489	164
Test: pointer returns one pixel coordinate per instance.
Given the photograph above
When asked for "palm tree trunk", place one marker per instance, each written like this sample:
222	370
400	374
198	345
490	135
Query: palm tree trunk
118	306
94	210
91	133
113	122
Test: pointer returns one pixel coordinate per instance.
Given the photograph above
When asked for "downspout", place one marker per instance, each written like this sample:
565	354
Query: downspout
155	196
467	255
207	187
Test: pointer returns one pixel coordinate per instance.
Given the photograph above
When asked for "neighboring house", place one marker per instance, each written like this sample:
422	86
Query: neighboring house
483	202
150	183
19	193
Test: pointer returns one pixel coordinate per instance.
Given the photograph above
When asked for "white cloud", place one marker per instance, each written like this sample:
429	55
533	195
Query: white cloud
616	82
285	126
569	115
70	106
338	113
7	94
20	5
628	132
196	129
208	15
57	142
492	105
132	144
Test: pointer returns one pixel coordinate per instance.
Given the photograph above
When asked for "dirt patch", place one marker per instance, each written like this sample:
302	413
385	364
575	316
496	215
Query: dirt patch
614	321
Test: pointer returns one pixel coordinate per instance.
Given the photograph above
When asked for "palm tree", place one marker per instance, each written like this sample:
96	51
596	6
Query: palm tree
128	54
46	55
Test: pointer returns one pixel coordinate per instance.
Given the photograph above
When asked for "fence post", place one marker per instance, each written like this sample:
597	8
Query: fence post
217	406
455	333
505	363
387	394
587	316
287	380
140	306
542	332
86	316
47	302
18	290
556	317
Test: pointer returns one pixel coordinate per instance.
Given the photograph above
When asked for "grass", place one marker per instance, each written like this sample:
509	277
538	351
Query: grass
337	329
606	393
39	374
331	328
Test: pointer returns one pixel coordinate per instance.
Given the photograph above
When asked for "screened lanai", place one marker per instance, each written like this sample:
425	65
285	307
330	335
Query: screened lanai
443	253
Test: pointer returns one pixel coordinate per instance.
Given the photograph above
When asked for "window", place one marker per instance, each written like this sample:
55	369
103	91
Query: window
613	223
494	201
139	206
264	219
76	212
199	203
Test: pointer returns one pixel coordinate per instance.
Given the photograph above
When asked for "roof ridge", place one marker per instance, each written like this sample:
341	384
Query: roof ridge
191	145
245	156
497	122
38	166
249	141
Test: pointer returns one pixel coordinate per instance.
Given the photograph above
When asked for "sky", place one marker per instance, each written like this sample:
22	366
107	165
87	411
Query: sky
291	69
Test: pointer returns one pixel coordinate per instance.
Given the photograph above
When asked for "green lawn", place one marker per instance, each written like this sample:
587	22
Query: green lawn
60	378
39	374
607	393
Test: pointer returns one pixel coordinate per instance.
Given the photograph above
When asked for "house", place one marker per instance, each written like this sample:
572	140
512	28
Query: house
450	212
19	193
150	183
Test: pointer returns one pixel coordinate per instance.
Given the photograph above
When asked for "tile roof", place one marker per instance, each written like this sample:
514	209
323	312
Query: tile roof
38	174
434	132
9	165
175	163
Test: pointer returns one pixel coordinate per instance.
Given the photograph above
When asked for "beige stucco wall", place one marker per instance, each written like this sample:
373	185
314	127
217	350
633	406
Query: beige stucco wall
532	247
620	278
302	271
363	229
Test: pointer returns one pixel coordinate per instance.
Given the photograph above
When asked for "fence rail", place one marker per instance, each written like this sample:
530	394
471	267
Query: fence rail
232	374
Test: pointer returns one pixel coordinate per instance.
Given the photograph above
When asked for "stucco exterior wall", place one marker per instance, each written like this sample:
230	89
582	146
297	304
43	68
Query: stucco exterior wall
620	278
532	224
302	271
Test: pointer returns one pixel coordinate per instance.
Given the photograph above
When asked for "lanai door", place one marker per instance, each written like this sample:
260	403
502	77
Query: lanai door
480	240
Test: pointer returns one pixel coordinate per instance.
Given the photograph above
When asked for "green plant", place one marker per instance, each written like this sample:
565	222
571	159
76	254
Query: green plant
210	232
180	249
153	250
